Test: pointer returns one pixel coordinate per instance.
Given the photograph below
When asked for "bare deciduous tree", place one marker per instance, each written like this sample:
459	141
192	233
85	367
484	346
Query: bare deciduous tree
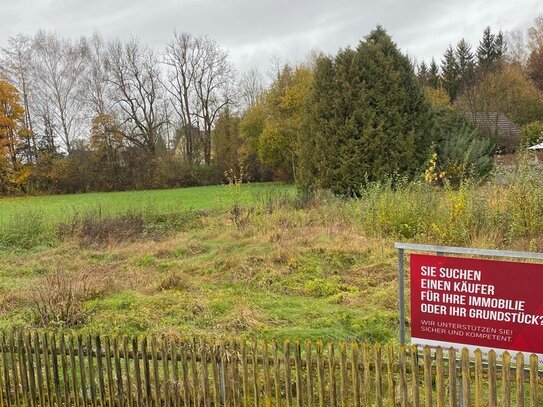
535	34
214	88
250	87
59	66
17	67
517	52
136	90
200	81
182	57
95	83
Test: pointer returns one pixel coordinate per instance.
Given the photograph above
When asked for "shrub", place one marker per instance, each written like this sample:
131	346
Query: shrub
532	133
462	153
239	214
59	298
94	230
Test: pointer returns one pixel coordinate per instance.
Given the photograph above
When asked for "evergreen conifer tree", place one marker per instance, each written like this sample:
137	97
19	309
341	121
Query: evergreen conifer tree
423	74
433	74
500	47
366	118
491	50
466	65
485	50
450	75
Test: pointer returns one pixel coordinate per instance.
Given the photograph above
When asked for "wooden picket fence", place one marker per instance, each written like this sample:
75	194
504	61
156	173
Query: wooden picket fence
45	369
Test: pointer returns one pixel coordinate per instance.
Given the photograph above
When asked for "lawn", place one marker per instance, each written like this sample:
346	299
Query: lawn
63	207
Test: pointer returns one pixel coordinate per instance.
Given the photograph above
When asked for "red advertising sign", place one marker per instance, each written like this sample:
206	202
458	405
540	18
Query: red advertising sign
476	303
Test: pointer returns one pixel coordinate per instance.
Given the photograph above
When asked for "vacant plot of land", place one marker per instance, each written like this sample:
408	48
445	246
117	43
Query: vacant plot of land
267	270
260	261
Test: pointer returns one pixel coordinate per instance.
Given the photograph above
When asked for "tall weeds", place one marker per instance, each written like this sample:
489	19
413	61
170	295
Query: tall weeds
508	210
27	230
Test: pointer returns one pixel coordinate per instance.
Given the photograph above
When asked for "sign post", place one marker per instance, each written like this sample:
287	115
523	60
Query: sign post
471	302
401	287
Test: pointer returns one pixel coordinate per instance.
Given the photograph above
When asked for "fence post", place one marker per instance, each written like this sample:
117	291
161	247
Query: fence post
401	289
221	367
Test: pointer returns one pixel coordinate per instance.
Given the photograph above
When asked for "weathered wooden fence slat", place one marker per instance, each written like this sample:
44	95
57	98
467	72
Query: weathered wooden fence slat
506	379
440	378
390	376
47	369
453	395
519	385
109	370
466	375
378	377
492	383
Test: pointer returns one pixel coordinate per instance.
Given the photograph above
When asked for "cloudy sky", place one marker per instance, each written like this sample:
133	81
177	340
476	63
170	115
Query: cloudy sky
255	31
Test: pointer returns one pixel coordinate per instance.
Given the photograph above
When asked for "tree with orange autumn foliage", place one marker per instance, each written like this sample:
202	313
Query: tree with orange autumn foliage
13	137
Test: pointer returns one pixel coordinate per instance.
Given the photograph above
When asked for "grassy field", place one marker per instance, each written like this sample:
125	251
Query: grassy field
63	207
45	221
272	264
211	283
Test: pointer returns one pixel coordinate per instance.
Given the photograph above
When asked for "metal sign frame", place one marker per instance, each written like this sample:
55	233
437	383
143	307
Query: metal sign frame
441	251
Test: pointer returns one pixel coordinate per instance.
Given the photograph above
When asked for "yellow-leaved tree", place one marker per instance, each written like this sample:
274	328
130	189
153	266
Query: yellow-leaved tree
271	127
13	137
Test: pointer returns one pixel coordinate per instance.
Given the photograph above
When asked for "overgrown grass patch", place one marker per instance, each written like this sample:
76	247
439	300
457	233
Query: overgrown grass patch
310	267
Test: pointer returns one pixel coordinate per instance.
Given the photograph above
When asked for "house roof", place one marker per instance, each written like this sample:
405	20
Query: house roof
497	124
494	121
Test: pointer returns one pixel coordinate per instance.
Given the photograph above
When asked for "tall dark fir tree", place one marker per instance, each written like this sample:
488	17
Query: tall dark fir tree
450	75
491	50
466	65
433	74
366	118
423	74
500	47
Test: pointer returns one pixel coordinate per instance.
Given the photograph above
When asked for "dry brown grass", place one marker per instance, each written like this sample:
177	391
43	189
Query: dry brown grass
244	317
10	300
95	231
58	299
174	280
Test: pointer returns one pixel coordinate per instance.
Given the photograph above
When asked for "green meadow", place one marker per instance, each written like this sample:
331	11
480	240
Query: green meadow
62	207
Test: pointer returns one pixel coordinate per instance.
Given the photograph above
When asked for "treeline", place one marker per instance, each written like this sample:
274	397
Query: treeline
501	74
90	115
86	114
369	113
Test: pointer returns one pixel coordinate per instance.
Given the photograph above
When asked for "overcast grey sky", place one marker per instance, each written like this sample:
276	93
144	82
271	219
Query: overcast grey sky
255	30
